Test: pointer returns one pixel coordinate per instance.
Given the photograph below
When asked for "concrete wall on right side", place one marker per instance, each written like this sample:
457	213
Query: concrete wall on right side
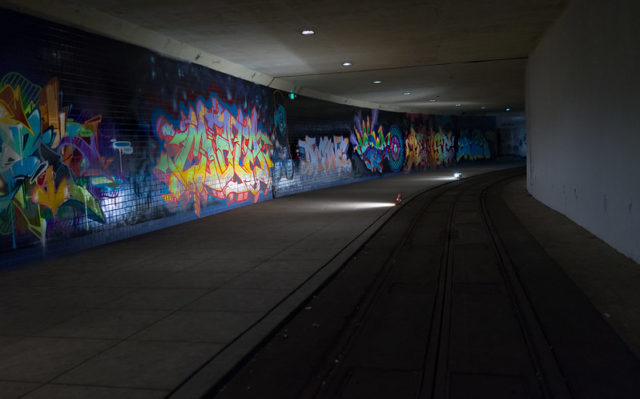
583	120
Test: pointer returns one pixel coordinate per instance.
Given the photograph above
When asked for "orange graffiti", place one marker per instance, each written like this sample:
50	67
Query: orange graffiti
50	196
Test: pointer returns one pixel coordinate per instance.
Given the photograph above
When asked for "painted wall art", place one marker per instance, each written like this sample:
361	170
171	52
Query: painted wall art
212	150
97	150
53	170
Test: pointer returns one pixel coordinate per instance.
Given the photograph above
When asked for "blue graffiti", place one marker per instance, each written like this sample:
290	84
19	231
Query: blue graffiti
473	146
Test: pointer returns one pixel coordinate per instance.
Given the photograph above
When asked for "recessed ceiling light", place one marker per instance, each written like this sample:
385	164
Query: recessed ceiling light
407	93
346	63
377	82
308	32
458	105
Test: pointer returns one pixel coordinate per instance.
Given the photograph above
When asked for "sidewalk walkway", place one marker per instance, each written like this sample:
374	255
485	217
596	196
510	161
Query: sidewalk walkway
172	311
609	279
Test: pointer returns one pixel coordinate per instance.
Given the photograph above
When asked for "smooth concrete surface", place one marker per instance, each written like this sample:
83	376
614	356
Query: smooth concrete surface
609	279
582	120
404	306
172	310
454	297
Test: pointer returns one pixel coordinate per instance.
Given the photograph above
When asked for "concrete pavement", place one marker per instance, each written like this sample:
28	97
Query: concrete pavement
455	297
171	311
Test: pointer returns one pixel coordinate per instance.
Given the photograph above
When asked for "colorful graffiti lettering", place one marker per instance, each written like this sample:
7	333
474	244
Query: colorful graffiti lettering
416	150
395	150
324	154
48	161
370	145
441	149
212	151
473	146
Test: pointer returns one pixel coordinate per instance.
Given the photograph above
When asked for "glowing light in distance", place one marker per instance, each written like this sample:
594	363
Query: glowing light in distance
308	32
346	63
457	175
433	100
458	105
377	82
508	109
407	93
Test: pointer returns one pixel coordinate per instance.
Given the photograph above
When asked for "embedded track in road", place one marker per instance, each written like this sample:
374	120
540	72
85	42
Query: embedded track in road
433	306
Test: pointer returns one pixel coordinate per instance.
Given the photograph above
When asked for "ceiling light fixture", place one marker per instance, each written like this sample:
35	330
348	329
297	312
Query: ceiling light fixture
377	82
308	32
346	63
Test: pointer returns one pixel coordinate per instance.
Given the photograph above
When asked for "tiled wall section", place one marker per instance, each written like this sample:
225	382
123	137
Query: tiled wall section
101	140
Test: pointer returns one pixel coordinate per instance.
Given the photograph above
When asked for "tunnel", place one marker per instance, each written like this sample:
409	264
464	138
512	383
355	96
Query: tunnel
284	199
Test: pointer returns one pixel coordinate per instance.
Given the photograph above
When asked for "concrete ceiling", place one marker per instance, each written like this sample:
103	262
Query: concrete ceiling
467	52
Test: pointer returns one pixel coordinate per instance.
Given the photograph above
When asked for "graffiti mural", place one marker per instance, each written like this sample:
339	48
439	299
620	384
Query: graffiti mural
473	146
51	168
441	149
94	150
395	149
212	150
370	145
107	153
416	150
324	154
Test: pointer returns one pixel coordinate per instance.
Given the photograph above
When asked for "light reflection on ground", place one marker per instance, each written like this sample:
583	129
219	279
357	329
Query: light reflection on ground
337	206
443	178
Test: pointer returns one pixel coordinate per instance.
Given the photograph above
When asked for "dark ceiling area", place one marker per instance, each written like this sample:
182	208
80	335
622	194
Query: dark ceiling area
431	56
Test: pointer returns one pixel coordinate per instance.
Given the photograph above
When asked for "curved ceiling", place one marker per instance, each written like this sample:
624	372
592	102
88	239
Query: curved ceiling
448	56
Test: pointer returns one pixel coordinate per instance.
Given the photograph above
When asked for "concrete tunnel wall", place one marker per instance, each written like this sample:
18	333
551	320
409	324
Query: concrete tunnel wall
102	140
583	129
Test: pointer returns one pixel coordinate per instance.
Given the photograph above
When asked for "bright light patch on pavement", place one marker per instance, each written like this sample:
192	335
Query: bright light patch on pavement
355	205
369	205
339	206
443	178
